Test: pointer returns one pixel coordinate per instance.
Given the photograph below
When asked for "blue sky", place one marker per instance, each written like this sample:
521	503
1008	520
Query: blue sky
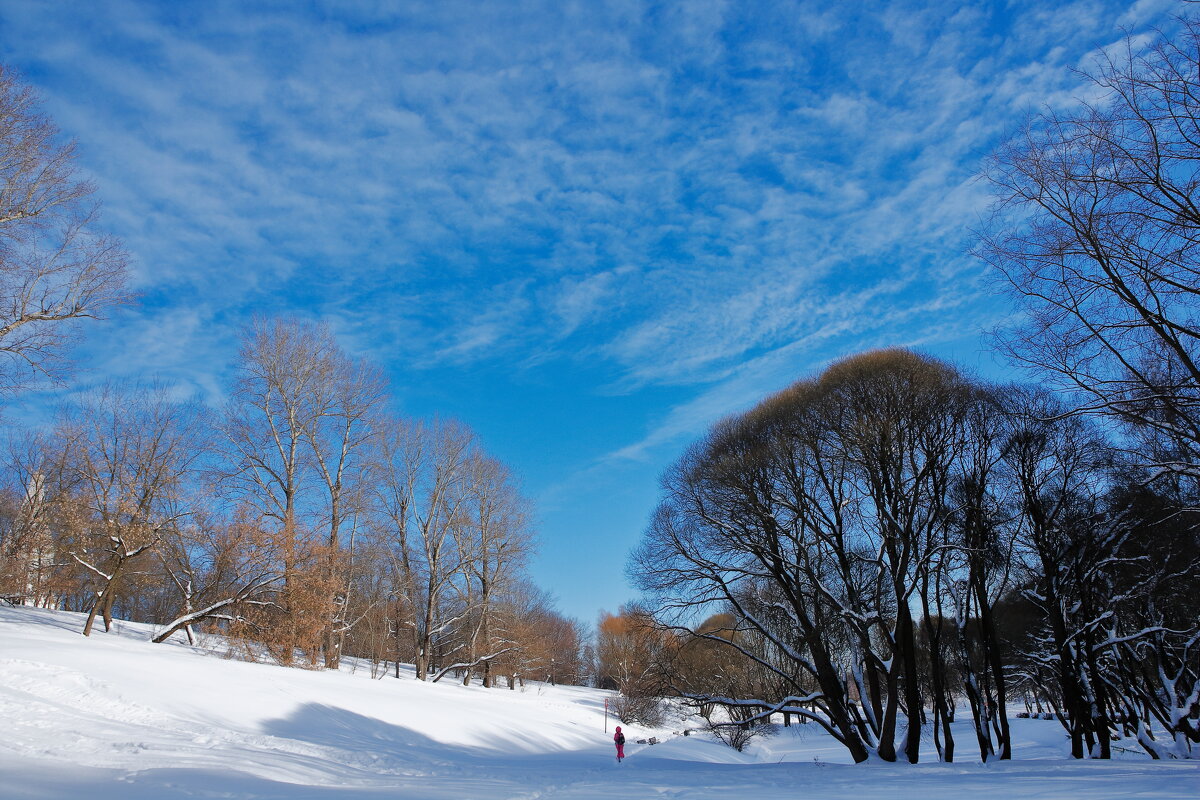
588	229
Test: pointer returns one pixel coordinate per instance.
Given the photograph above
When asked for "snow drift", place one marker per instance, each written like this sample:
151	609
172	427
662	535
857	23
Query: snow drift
116	717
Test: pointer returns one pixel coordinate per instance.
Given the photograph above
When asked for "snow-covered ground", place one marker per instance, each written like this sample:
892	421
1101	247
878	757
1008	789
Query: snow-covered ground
115	717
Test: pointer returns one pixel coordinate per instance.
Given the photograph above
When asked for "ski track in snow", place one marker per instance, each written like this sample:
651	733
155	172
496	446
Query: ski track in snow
115	717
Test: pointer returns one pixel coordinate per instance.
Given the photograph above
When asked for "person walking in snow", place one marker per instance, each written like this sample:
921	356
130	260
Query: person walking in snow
619	739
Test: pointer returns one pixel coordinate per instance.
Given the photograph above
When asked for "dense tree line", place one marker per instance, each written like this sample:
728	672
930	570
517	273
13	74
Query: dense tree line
304	520
868	534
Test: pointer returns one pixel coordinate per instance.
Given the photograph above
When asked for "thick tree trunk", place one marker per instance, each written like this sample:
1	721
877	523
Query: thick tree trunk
831	686
110	597
991	646
91	620
331	640
905	640
103	603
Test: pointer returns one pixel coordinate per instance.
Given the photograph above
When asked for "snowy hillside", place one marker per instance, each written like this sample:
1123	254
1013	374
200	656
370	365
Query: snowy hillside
116	718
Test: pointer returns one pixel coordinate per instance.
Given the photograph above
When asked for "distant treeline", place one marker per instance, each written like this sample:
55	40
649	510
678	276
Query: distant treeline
303	520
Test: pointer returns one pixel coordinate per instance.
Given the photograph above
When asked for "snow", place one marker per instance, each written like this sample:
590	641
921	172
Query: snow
115	717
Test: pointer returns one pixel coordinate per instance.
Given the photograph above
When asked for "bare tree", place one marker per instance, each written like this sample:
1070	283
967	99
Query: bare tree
1114	643
743	526
494	540
421	500
819	519
285	366
219	568
1097	230
55	268
340	431
129	451
900	429
983	572
400	455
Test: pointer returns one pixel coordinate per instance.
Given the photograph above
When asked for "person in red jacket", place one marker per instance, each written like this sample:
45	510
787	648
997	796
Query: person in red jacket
619	739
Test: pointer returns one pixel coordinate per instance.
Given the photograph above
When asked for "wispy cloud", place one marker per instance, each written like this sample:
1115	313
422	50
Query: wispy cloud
725	161
701	199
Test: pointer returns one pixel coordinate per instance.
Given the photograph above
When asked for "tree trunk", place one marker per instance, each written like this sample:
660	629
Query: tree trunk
912	691
109	598
991	647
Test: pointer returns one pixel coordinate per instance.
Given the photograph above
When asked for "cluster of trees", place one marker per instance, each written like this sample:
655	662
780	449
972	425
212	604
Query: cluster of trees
629	653
891	537
304	519
643	661
872	535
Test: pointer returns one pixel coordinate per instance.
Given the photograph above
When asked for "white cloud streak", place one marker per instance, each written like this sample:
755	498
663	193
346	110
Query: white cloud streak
702	194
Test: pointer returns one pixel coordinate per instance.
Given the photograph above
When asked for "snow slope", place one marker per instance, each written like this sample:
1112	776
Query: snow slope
116	717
